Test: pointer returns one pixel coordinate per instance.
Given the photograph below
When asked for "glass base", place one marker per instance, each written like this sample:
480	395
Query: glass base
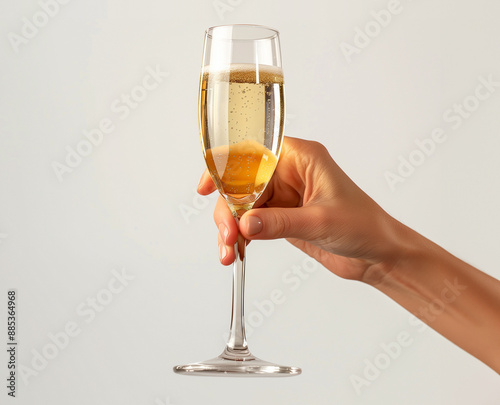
248	366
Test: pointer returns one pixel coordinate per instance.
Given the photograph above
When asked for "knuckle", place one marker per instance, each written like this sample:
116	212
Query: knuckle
282	224
319	148
315	150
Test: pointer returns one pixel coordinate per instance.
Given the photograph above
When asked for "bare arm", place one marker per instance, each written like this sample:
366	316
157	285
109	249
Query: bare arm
457	300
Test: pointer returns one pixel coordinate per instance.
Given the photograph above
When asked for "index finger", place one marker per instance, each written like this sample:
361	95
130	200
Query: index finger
206	185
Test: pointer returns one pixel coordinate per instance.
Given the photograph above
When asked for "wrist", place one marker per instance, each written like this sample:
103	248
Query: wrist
404	249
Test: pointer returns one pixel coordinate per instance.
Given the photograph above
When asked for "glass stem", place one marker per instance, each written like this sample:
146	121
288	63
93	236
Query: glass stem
236	347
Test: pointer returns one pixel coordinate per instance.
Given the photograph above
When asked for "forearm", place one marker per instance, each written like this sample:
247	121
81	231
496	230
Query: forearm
457	300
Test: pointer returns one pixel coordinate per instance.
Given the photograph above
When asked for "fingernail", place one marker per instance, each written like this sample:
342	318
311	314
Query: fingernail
224	232
222	251
253	225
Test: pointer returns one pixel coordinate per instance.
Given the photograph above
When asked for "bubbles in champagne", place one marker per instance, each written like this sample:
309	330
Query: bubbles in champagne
241	120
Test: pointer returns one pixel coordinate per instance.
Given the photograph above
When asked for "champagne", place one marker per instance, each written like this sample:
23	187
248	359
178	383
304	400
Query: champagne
241	125
243	168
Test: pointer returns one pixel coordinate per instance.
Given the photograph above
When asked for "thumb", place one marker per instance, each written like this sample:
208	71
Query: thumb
304	223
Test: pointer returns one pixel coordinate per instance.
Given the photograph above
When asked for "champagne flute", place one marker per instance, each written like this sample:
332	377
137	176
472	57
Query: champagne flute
241	118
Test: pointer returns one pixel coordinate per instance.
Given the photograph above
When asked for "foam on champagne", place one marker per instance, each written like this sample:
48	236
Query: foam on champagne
244	73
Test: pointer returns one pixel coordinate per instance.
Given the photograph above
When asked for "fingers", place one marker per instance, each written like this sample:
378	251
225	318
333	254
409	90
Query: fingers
306	223
228	231
206	185
226	252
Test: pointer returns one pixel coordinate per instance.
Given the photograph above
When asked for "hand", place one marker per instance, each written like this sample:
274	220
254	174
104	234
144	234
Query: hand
312	203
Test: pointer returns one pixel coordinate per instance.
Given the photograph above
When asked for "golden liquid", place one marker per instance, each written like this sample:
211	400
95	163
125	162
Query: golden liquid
241	125
241	169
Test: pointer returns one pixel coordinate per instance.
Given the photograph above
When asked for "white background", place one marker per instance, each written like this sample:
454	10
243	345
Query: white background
122	206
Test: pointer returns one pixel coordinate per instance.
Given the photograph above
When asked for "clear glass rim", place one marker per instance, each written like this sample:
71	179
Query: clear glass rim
273	33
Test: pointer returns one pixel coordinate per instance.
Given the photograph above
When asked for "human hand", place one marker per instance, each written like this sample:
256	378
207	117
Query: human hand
312	203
